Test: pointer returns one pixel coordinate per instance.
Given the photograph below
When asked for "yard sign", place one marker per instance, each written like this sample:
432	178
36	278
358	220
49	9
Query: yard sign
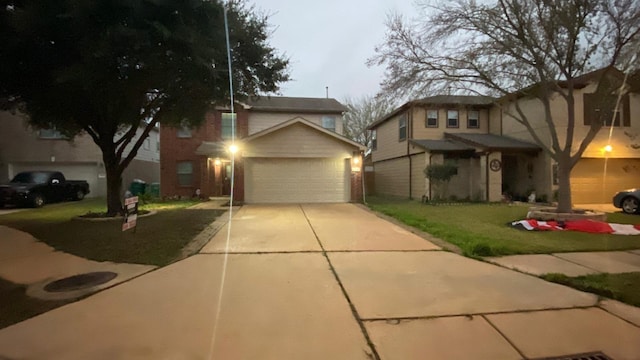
130	213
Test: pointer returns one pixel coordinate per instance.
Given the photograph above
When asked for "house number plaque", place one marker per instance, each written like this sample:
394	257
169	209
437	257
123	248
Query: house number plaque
495	165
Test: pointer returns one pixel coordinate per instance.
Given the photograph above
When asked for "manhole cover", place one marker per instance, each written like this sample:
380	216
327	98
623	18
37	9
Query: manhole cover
82	281
586	356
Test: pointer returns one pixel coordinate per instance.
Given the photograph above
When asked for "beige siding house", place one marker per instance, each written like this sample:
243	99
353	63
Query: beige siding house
291	150
25	149
435	130
495	155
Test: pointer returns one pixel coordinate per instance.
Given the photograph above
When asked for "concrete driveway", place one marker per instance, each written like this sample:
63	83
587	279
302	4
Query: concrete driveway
325	282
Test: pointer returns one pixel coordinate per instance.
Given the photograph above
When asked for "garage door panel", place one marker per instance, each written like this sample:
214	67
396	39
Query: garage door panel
296	180
590	183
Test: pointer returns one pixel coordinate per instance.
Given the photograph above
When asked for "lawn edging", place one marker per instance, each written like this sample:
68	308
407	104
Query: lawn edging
423	234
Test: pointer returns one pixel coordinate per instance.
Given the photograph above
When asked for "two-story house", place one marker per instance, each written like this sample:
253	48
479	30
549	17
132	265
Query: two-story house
494	154
291	150
23	149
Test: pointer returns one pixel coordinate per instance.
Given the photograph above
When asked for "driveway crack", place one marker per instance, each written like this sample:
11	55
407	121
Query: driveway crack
374	353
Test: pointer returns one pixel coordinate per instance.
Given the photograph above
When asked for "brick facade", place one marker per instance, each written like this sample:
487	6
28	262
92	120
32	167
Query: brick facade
207	176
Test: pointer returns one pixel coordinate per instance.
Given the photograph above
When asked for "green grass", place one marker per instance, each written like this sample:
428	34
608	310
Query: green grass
157	240
622	287
482	230
16	306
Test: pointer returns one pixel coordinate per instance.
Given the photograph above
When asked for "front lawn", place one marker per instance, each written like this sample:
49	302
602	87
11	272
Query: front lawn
482	230
622	287
157	240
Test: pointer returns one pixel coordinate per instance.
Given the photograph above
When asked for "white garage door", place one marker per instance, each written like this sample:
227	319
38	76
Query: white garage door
87	172
271	180
589	185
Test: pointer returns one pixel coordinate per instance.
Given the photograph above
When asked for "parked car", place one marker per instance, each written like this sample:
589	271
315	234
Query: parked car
628	201
35	188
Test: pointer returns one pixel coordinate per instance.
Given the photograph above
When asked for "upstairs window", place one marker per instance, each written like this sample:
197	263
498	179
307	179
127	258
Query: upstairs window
329	123
432	119
473	119
599	109
52	133
184	131
374	140
228	125
402	127
185	173
452	119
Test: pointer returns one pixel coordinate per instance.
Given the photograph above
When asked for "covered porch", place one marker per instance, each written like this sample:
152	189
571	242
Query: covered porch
487	166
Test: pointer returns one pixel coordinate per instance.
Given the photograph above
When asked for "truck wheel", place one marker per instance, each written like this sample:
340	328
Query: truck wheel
37	200
79	195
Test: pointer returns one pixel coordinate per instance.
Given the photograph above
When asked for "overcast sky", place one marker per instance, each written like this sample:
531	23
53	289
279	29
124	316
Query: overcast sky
329	42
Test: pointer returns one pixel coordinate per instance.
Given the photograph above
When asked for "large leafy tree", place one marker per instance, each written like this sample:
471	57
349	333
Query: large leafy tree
537	49
107	68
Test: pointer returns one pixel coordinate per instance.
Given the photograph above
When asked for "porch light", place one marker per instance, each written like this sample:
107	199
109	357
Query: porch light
217	162
608	148
233	148
356	160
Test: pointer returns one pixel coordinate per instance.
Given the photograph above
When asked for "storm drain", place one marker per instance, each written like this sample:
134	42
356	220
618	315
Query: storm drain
585	356
81	281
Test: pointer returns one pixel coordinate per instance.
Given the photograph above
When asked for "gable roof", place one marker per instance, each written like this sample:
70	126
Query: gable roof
493	141
294	104
303	121
440	100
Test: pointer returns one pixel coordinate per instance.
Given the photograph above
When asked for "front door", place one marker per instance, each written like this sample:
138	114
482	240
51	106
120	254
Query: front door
226	179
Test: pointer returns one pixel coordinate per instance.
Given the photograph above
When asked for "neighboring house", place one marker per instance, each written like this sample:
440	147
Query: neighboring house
497	155
291	150
23	149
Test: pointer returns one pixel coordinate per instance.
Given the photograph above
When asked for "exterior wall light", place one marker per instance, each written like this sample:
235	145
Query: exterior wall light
217	162
608	148
233	148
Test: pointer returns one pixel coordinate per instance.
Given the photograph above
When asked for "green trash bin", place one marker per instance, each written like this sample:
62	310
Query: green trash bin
137	187
154	190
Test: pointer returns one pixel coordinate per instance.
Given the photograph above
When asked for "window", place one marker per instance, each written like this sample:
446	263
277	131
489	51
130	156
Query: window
329	123
602	109
374	140
473	119
184	131
452	118
147	144
432	119
185	173
402	127
228	126
51	134
157	146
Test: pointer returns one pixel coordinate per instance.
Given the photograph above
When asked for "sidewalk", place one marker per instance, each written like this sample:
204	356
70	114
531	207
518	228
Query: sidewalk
25	260
573	263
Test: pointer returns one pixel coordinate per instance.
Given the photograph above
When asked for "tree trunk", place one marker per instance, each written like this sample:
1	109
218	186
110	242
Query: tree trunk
564	183
114	184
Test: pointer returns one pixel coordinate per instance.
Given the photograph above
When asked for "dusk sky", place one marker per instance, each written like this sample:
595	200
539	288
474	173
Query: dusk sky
329	43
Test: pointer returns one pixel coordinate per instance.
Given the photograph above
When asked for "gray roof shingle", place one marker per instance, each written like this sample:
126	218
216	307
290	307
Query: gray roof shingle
456	100
295	104
492	141
445	145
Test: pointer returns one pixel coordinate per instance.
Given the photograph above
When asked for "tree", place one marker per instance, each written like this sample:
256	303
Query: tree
518	48
108	67
440	175
362	113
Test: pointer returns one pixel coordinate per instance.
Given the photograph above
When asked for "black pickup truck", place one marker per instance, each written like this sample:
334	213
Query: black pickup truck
35	188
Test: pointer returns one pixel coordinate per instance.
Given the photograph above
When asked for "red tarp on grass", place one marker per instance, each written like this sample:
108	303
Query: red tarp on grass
588	226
